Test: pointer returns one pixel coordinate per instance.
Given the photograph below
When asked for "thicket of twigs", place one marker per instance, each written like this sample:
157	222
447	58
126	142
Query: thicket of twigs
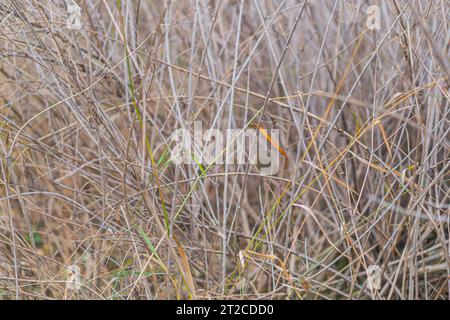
86	118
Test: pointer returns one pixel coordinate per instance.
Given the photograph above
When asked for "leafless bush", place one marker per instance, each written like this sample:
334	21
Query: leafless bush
92	207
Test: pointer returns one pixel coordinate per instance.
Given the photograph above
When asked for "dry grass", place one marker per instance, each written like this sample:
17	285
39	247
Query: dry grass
85	129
